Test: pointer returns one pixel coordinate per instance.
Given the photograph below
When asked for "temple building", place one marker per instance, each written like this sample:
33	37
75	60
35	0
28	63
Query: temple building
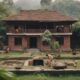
24	29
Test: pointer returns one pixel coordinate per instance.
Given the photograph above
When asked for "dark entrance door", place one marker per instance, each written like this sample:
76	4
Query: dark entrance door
33	42
38	63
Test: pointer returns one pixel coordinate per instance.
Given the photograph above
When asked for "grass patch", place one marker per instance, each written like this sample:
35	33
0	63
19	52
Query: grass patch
47	77
11	54
17	54
69	55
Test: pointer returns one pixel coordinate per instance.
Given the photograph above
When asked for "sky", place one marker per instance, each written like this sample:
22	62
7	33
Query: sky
52	0
34	0
17	0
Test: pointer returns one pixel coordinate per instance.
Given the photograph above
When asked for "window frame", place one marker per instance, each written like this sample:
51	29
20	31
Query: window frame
18	42
60	39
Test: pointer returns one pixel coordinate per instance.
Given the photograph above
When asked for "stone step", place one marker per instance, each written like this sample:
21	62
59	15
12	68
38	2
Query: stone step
33	50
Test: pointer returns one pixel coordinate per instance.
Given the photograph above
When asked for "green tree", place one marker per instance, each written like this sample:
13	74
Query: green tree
76	36
7	8
2	34
54	45
45	4
46	36
3	11
68	7
76	26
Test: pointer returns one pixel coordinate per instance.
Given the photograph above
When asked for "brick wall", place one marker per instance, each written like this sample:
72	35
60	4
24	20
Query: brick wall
66	45
25	43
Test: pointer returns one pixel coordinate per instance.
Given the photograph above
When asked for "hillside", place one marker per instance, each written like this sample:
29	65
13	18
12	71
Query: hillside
68	7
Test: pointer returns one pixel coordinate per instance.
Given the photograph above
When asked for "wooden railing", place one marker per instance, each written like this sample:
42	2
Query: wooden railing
65	30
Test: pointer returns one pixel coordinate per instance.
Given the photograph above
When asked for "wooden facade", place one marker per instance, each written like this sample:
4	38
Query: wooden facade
24	30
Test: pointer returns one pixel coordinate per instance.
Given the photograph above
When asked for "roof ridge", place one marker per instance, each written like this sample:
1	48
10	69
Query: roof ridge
40	10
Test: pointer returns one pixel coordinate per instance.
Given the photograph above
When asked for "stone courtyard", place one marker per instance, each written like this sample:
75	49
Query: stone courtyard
34	59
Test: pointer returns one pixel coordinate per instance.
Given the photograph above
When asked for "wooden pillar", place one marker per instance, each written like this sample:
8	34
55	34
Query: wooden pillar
25	28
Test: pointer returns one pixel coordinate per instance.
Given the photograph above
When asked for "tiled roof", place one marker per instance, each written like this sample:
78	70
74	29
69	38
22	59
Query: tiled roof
39	15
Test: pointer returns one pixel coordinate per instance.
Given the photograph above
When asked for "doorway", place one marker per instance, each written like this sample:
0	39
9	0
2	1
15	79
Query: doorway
33	42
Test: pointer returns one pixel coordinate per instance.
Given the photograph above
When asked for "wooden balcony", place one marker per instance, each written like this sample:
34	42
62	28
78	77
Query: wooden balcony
22	31
38	31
